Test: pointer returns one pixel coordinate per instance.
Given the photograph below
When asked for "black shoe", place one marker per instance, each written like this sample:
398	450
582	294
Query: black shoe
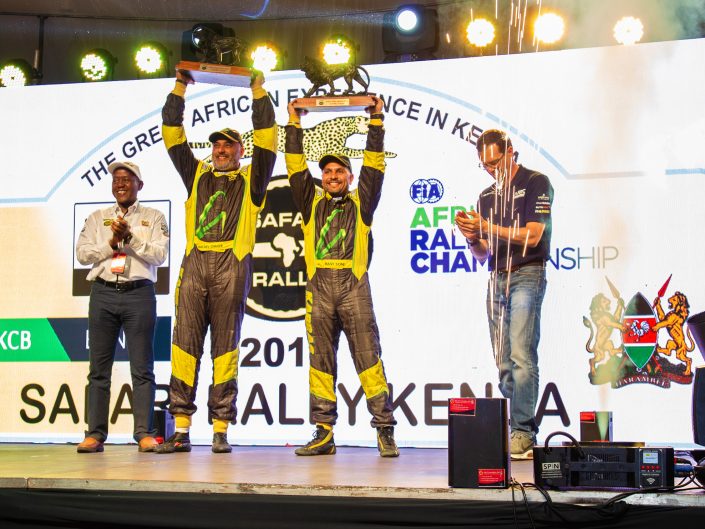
322	444
220	443
179	442
385	442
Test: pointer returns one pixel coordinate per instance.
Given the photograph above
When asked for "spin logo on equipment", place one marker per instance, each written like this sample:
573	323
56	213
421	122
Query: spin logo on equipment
278	290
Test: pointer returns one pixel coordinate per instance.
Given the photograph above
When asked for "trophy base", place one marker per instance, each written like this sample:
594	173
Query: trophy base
335	103
203	72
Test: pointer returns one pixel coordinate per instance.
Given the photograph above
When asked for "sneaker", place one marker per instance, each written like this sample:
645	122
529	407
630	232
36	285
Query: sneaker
521	446
179	442
322	444
385	442
220	443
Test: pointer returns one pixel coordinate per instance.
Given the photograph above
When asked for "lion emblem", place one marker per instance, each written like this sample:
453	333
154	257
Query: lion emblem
605	323
673	323
320	73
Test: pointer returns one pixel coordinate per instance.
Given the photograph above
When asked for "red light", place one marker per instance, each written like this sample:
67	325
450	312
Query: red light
461	405
587	416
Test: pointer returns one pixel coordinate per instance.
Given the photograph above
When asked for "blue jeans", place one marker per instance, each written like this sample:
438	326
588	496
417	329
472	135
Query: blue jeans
514	314
135	311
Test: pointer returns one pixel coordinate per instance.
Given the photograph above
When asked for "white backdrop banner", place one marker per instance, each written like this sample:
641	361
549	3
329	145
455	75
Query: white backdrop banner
619	131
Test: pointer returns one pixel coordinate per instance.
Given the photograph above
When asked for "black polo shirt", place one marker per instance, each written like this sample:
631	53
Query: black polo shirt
528	199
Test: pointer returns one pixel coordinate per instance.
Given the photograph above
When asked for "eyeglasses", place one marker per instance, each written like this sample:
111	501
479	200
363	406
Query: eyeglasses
492	164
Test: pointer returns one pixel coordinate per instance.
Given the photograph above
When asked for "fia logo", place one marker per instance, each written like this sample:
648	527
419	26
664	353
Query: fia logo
426	191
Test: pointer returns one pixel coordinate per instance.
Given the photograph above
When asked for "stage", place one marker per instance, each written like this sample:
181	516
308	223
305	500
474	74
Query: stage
44	486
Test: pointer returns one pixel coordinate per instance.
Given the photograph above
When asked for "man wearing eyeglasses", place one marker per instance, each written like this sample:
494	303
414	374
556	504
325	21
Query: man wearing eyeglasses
512	228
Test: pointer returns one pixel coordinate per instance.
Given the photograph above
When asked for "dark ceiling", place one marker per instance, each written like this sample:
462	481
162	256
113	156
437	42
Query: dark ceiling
65	29
69	28
222	10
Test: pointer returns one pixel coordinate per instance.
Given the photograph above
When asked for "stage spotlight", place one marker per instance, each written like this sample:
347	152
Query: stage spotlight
265	57
549	28
338	50
97	65
404	40
202	34
214	44
16	73
628	30
407	18
194	42
151	59
480	32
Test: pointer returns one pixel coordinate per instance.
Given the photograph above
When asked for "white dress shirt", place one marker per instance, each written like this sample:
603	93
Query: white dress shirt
147	249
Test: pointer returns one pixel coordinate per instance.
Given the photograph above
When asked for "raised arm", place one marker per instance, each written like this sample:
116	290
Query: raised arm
264	154
300	179
174	134
372	173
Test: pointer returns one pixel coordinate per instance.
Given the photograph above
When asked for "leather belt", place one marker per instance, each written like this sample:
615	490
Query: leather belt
124	286
517	267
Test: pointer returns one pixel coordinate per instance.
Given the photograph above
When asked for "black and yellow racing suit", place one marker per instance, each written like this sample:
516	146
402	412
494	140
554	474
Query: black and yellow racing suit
215	275
337	239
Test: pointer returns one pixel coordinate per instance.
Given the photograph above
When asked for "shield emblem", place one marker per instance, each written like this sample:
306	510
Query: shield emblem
639	337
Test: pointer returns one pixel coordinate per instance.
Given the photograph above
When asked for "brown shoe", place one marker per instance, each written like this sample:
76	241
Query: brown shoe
148	444
89	445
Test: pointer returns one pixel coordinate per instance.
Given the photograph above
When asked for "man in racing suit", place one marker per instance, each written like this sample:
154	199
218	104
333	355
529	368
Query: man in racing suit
337	239
224	199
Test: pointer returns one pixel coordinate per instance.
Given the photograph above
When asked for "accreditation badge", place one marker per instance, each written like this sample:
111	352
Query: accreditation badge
117	266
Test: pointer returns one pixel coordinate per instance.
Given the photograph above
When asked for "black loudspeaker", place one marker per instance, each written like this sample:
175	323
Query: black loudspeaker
478	443
696	326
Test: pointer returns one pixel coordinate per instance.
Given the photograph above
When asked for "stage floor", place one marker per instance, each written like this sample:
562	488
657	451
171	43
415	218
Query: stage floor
352	472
